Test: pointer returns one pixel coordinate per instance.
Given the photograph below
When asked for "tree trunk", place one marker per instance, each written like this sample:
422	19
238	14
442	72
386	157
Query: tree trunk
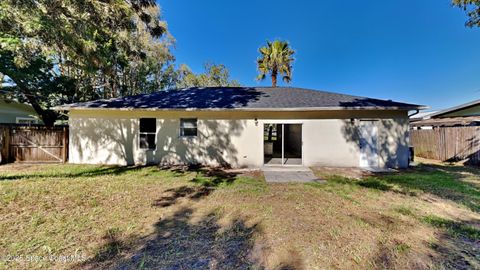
274	79
8	69
48	116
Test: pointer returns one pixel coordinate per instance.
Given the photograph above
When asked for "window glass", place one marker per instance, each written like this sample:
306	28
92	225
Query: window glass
188	127
148	128
147	141
148	125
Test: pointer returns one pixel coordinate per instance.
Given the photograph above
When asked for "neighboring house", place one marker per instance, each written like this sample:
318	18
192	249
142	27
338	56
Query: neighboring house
416	117
422	116
13	112
467	114
241	127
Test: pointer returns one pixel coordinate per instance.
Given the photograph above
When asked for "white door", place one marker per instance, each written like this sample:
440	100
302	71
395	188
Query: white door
368	132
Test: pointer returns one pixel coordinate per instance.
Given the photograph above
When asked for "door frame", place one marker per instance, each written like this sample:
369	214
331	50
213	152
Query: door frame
283	123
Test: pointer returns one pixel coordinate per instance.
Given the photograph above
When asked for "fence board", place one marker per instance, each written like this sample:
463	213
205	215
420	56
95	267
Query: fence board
4	144
34	144
448	144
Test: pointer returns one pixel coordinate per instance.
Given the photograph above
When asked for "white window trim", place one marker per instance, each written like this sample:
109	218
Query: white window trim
154	133
180	129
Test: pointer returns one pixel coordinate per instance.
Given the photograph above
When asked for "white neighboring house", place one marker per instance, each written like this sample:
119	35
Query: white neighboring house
421	116
13	112
241	127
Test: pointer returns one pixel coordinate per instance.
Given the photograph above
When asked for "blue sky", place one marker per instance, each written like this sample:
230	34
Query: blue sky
417	51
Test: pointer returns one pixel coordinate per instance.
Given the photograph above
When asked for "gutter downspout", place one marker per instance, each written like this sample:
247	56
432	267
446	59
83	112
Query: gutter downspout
411	149
415	113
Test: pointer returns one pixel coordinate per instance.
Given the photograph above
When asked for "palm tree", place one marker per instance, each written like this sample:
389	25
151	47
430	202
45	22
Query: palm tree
276	58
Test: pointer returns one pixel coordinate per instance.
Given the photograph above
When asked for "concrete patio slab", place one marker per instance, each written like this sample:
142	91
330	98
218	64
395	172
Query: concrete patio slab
278	174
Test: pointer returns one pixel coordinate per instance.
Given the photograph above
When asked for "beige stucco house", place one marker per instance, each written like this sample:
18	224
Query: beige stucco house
241	127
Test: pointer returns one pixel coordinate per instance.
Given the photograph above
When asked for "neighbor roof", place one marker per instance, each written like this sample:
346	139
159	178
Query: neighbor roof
448	121
457	108
242	98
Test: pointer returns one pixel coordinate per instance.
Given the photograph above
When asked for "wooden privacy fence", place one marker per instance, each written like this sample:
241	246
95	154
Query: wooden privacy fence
448	144
34	144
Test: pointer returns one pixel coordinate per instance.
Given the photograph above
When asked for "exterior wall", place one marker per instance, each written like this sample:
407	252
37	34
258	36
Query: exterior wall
235	138
9	111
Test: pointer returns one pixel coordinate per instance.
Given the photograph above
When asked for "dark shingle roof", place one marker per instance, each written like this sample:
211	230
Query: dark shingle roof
241	98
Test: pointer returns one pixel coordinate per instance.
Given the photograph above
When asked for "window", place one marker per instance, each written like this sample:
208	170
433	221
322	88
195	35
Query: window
270	132
148	129
188	127
26	120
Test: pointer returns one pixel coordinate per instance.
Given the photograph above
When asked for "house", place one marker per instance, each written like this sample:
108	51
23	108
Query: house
421	116
416	117
241	127
13	112
467	114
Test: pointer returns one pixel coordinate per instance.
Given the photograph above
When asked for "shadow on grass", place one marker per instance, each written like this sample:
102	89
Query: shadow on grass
174	194
455	183
375	184
457	243
206	180
455	228
72	171
184	242
455	247
206	176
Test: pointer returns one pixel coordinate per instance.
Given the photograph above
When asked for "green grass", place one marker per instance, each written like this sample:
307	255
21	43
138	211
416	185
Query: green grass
402	248
454	228
459	184
448	182
67	171
375	183
404	210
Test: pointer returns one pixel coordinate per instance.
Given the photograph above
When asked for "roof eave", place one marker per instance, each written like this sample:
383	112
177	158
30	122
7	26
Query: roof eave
394	108
456	108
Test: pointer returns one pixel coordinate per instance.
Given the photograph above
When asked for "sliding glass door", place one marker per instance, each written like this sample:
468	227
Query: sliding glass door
282	144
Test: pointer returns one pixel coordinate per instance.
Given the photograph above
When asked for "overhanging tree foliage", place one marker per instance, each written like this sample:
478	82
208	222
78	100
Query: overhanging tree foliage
472	7
214	76
64	51
52	52
36	84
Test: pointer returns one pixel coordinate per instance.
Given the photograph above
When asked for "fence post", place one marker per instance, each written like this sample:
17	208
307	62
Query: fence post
7	142
2	144
65	144
443	134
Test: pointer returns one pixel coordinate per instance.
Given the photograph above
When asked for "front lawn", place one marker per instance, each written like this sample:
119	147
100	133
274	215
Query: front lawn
89	217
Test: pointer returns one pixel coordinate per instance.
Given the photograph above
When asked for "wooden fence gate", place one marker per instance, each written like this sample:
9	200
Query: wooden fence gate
34	144
448	144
